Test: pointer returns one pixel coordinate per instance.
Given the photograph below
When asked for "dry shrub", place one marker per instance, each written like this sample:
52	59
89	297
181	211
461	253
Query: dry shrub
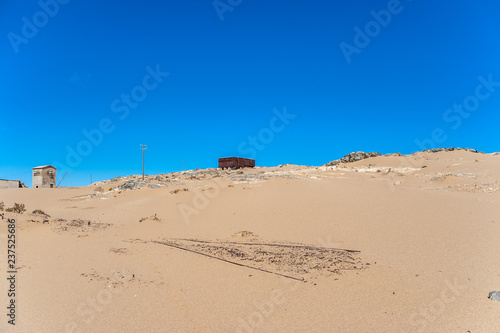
179	190
17	208
151	218
40	212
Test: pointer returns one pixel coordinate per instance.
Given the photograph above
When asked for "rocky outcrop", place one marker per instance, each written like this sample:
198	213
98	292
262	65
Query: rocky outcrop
357	156
353	157
449	149
131	185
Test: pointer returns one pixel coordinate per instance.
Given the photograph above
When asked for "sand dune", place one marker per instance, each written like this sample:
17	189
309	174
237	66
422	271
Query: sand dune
383	244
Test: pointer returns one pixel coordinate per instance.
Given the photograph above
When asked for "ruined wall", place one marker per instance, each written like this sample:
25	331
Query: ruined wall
4	183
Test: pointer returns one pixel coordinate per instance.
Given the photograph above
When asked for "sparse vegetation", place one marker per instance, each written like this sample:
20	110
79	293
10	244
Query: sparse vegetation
2	205
99	189
179	190
40	212
17	208
151	218
78	226
244	234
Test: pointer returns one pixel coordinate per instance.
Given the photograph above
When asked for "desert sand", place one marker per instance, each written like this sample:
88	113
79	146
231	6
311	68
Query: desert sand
385	244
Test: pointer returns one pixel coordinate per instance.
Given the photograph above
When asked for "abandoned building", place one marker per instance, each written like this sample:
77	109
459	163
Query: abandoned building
44	176
5	183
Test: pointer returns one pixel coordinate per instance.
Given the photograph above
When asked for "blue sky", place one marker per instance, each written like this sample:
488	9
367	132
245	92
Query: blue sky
301	82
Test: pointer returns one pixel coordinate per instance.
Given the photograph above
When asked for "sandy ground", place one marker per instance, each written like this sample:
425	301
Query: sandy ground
263	250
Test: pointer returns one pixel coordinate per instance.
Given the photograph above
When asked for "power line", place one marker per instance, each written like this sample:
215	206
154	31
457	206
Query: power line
62	179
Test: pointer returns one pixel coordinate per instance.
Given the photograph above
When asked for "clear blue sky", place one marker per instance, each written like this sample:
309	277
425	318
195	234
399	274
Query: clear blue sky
82	66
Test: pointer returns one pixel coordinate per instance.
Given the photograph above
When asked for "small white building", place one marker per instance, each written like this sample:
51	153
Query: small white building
5	183
44	176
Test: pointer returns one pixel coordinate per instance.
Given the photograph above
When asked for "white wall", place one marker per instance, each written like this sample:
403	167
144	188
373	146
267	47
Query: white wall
9	184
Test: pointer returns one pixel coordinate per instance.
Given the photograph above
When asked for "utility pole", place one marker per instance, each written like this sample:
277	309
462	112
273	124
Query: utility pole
143	148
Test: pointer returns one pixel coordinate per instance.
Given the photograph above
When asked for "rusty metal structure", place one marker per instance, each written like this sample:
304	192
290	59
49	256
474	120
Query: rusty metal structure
236	163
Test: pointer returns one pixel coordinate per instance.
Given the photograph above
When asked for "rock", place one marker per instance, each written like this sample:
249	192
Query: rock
353	157
435	150
332	163
360	155
130	185
494	295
